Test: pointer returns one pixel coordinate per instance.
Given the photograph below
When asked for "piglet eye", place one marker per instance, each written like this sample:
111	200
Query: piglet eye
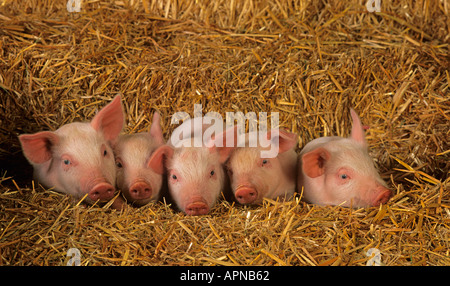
264	161
174	177
344	176
103	150
212	173
119	163
67	162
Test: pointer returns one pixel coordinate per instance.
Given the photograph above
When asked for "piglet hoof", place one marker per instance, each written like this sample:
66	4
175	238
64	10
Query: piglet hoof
102	191
140	191
197	208
246	195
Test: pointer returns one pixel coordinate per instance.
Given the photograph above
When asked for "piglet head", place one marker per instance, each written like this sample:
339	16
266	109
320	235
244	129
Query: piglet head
341	172
139	164
196	176
77	158
254	177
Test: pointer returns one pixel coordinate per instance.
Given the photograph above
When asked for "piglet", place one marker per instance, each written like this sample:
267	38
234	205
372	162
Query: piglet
254	176
195	174
77	159
339	171
139	163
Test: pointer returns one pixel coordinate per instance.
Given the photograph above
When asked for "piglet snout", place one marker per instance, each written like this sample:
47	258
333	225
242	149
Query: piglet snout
197	207
246	195
383	196
102	191
140	190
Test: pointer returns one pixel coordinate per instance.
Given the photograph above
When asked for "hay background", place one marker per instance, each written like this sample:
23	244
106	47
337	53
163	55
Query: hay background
308	60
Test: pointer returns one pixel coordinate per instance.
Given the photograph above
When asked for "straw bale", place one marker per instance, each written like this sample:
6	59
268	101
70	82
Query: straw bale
307	60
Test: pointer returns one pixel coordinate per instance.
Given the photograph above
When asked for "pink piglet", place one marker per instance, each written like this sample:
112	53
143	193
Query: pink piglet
77	158
339	171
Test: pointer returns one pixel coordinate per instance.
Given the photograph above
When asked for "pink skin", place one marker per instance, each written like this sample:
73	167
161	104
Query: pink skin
77	158
339	171
195	174
139	163
254	178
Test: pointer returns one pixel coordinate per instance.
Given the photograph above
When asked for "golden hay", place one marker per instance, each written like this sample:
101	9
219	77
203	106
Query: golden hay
308	60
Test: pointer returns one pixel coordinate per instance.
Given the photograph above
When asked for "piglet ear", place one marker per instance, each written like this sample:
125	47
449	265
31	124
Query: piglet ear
37	147
155	129
156	160
110	119
219	143
313	162
286	139
357	129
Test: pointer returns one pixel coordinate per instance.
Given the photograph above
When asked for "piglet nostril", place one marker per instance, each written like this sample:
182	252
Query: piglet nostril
383	197
246	195
102	191
197	208
140	191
